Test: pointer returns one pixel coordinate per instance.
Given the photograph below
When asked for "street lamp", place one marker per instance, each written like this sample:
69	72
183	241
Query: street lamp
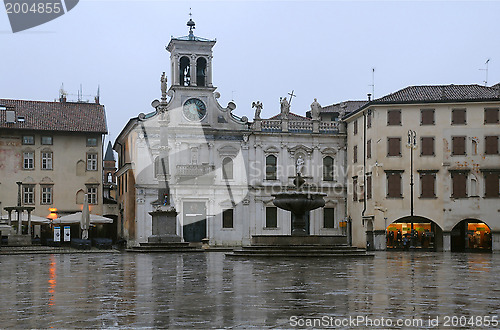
411	144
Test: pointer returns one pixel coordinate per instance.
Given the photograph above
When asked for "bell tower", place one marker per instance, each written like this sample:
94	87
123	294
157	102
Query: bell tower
191	59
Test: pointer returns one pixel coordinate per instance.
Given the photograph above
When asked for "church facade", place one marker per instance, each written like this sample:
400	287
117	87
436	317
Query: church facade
220	170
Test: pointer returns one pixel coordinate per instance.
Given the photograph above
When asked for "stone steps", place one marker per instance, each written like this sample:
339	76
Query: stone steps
165	247
307	251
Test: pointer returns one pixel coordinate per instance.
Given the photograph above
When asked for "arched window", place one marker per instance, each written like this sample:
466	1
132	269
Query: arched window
110	177
185	71
227	168
201	71
271	161
328	168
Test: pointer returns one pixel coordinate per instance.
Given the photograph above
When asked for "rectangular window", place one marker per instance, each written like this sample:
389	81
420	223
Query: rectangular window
28	139
355	188
459	184
46	160
271	217
328	217
227	218
427	146
369	149
328	168
458	146
458	117
91	142
47	140
369	187
393	146
355	154
394	184
91	162
271	161
29	195
355	127
46	194
491	184
92	195
426	117
491	145
427	185
393	117
28	160
491	116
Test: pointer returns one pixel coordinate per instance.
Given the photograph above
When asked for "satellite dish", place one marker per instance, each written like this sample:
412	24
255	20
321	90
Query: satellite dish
231	105
155	104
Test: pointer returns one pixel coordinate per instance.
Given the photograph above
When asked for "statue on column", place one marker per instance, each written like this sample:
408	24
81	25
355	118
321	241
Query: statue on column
285	108
258	108
163	81
315	110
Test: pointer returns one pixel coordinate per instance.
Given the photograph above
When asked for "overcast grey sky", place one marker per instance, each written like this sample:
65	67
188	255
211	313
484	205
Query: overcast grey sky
264	49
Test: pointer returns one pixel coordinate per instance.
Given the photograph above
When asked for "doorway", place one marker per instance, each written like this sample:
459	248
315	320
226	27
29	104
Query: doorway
194	227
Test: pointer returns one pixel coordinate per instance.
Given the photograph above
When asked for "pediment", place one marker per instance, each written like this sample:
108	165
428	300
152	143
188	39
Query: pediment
272	150
300	148
329	151
228	151
92	181
46	180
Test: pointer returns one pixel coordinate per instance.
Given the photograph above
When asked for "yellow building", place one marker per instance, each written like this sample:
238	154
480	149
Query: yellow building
54	151
446	138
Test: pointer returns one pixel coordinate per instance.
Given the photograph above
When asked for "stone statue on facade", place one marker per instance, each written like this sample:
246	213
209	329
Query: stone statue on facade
163	81
315	110
258	108
285	108
300	165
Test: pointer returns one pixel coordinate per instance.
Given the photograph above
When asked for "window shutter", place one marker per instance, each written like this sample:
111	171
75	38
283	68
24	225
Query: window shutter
394	117
355	189
427	148
459	180
491	116
369	149
355	154
491	145
428	181
491	184
355	127
458	145
369	187
394	146
393	184
427	117
368	120
458	117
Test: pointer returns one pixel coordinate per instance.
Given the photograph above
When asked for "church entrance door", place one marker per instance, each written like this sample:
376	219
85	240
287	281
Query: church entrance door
194	218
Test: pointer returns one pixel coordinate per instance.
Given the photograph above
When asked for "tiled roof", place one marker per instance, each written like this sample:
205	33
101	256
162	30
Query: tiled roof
440	93
347	106
437	94
291	116
55	116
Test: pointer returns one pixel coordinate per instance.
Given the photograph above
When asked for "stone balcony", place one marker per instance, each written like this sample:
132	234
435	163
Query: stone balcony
193	171
296	126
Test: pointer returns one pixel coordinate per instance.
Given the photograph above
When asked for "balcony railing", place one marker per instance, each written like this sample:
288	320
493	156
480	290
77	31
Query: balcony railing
194	170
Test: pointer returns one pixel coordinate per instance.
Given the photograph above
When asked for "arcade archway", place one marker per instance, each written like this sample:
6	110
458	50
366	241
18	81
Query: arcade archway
471	235
418	233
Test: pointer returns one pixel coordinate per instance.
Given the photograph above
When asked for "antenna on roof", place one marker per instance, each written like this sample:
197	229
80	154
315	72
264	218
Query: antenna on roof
373	83
486	69
98	94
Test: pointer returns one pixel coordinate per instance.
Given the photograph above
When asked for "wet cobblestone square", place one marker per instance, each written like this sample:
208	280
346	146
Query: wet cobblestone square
210	291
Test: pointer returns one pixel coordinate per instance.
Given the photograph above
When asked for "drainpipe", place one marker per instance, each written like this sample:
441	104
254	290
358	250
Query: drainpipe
364	159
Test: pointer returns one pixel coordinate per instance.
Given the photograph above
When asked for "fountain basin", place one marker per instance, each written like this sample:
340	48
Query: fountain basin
299	202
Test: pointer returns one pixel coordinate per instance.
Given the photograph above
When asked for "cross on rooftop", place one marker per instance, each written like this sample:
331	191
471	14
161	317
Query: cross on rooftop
291	95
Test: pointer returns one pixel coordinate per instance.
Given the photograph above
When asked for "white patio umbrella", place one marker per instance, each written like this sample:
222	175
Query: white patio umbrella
85	219
77	218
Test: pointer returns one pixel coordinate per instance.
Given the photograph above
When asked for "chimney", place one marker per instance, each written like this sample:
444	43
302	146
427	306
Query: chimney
62	98
369	97
96	99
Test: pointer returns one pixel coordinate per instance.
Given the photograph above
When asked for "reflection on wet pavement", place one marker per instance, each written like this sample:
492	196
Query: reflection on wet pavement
209	291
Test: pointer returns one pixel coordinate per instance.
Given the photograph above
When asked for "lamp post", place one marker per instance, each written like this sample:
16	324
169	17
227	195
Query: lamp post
412	144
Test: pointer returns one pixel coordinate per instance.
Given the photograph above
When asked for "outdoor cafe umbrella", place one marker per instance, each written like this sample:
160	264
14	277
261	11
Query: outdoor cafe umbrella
85	220
75	218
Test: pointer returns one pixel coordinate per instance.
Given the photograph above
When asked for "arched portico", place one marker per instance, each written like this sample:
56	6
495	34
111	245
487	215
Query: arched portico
419	233
471	235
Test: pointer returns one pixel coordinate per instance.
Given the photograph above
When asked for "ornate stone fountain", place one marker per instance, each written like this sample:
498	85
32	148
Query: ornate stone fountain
299	202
